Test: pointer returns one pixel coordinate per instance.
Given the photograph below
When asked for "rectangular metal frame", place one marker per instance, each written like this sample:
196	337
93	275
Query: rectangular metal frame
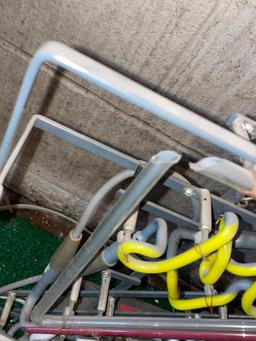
64	133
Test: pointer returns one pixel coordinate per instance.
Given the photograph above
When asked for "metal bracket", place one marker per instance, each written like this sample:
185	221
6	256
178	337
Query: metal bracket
133	280
106	277
127	283
242	126
202	204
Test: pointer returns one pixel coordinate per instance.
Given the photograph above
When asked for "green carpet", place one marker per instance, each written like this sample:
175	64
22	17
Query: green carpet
24	249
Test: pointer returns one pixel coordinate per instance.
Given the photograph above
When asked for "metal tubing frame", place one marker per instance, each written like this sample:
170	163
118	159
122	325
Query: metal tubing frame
67	58
63	56
142	184
45	124
84	142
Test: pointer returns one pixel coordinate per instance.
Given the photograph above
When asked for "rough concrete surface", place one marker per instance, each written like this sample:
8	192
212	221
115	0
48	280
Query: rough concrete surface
200	53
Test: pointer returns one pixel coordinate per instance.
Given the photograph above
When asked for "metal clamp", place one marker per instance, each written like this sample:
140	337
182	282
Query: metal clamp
202	204
202	207
242	126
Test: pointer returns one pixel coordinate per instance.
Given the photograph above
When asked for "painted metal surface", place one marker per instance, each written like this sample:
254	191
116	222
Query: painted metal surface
67	58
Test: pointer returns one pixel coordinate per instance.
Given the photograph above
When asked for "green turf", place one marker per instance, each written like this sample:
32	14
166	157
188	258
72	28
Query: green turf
24	249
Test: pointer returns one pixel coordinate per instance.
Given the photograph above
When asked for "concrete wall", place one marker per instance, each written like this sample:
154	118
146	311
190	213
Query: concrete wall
200	53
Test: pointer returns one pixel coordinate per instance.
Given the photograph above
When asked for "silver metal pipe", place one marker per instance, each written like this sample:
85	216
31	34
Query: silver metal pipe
202	210
237	123
111	306
151	323
136	192
8	165
19	284
226	172
94	72
104	291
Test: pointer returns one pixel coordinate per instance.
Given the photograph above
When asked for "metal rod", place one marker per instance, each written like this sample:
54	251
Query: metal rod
86	142
133	280
135	193
111	306
127	284
120	293
104	291
163	313
148	334
7	309
247	326
8	165
102	76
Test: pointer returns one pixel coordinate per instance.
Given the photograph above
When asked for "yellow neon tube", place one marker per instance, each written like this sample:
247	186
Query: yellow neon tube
193	303
224	236
216	253
248	299
210	270
213	266
240	269
202	302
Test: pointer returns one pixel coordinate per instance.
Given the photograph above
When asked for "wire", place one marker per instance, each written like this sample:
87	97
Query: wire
41	209
98	198
19	284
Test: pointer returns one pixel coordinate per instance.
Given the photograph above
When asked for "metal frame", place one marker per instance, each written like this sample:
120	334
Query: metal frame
64	133
92	71
110	80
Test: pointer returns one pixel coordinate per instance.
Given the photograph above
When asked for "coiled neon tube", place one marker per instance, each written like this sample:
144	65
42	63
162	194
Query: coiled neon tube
241	269
213	266
211	269
216	254
248	299
194	303
223	237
